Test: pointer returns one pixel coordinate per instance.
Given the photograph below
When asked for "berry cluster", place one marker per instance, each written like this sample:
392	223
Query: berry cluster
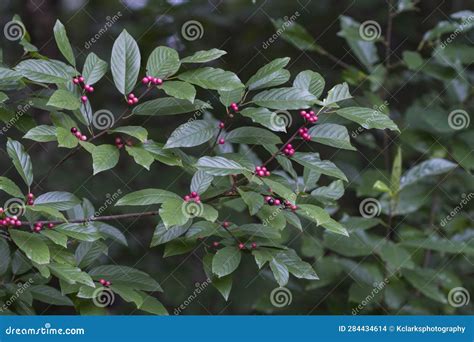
276	201
119	142
30	199
132	99
310	116
234	106
38	226
78	134
262	171
79	80
303	132
253	245
104	282
9	221
289	150
193	196
149	80
221	141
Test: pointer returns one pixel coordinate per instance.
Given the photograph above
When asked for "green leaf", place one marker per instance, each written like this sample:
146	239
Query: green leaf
219	166
66	138
124	275
230	96
281	190
422	280
440	245
428	168
41	133
71	274
396	172
413	60
172	213
280	272
32	245
312	161
43	71
10	187
295	265
60	200
161	154
163	62
46	211
226	261
79	231
253	200
321	218
178	247
284	98
128	294
4	256
163	235
332	135
336	94
204	56
134	131
201	181
191	133
277	122
395	256
64	99
94	69
253	136
310	81
212	78
110	232
62	42
152	305
270	75
21	160
141	156
179	90
330	193
57	237
49	295
257	230
367	118
295	34
125	62
147	197
104	157
169	106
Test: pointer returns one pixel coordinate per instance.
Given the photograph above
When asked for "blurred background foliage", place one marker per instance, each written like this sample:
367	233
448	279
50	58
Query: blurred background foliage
418	101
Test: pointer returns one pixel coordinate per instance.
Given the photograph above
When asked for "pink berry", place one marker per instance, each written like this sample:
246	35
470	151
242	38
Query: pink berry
135	100
277	202
18	223
267	198
102	281
241	246
145	80
225	224
221	141
84	99
131	96
157	81
75	80
81	79
83	138
187	198
50	225
215	244
254	245
221	125
130	101
267	173
78	135
108	283
2	210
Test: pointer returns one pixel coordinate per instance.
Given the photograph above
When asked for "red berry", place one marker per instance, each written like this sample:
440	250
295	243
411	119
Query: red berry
131	96
74	130
187	198
135	100
277	202
241	246
102	281
221	141
18	223
108	283
50	225
30	196
254	245
84	99
215	244
81	79
221	125
225	224
130	101
145	80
